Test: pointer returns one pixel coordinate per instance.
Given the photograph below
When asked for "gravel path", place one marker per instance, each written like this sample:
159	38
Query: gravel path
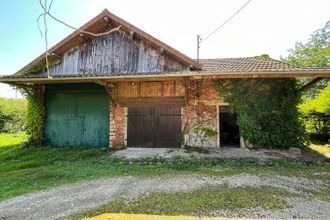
61	201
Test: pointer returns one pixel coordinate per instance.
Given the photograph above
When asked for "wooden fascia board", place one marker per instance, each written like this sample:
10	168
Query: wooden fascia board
171	76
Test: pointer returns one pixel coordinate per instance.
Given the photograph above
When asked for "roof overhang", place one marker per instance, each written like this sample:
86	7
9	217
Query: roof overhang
164	76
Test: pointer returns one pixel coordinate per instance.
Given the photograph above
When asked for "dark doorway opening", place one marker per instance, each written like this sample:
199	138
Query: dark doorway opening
229	131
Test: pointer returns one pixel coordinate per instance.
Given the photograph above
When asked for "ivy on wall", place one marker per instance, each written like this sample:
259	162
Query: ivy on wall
37	68
35	115
267	111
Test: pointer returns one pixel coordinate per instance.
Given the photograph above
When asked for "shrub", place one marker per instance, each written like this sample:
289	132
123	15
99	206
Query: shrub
316	115
12	115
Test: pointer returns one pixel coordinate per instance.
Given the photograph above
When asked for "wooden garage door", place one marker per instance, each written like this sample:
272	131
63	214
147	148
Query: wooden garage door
153	126
77	116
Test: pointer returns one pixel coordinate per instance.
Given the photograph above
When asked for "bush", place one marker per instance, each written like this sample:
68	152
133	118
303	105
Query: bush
316	115
12	115
267	111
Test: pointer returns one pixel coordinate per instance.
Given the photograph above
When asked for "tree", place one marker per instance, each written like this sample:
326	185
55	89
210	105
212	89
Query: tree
316	106
317	115
314	53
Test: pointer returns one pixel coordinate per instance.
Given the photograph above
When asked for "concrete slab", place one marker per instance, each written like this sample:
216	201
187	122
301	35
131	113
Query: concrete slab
214	153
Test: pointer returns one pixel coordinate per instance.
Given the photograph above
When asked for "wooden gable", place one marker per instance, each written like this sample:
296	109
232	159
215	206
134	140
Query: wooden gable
120	47
116	53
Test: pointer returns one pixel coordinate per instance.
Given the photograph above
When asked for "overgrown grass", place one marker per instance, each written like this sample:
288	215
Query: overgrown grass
200	202
24	170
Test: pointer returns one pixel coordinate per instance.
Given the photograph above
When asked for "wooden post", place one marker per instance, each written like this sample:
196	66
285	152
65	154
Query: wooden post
41	94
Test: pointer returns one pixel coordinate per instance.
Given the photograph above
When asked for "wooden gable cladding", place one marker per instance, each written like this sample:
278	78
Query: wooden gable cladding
117	53
149	93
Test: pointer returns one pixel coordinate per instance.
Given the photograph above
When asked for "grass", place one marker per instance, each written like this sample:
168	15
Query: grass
200	202
12	139
321	149
190	149
24	170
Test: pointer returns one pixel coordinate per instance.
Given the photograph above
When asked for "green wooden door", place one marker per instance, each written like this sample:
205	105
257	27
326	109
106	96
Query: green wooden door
77	116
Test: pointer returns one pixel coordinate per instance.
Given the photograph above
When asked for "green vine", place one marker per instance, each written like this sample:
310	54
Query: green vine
35	116
267	111
37	68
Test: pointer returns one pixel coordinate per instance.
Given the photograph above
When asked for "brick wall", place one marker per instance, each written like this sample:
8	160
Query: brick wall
117	137
202	110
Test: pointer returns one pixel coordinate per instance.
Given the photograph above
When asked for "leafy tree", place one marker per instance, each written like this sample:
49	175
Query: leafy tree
317	115
314	53
316	106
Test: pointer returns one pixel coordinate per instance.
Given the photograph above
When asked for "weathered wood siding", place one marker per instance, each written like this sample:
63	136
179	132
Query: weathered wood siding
115	54
158	93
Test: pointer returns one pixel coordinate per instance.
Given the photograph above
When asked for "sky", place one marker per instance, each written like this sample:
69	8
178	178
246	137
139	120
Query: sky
262	27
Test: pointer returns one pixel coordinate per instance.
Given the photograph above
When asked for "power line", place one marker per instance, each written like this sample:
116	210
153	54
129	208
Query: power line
44	7
226	21
46	11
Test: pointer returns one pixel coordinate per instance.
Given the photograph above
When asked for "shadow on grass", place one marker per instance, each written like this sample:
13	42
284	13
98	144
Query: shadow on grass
315	153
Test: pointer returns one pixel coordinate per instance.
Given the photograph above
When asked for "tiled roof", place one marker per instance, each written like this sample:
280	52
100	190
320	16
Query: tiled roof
246	64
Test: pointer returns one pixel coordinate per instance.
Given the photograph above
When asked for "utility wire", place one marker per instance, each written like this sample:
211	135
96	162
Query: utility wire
226	21
46	34
46	11
77	29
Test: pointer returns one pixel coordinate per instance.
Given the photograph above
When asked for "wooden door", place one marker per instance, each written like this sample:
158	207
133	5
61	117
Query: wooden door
167	126
77	116
139	127
153	126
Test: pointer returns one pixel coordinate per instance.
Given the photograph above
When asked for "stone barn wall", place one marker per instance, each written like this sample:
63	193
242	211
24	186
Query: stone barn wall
202	110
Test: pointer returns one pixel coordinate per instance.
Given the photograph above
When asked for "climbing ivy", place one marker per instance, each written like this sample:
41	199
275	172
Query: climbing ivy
37	68
35	115
267	111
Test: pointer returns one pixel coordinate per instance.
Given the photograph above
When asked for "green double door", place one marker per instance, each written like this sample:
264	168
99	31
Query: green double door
76	116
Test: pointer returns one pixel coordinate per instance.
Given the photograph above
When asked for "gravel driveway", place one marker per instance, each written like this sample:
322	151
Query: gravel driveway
61	201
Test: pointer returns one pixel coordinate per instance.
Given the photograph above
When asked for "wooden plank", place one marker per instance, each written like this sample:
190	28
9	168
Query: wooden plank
167	126
140	127
309	84
168	76
151	89
152	101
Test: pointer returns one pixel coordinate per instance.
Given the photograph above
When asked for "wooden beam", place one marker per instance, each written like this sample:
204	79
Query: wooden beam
167	76
310	84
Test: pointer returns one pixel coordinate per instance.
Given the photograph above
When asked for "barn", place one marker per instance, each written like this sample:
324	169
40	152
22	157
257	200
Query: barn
126	88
